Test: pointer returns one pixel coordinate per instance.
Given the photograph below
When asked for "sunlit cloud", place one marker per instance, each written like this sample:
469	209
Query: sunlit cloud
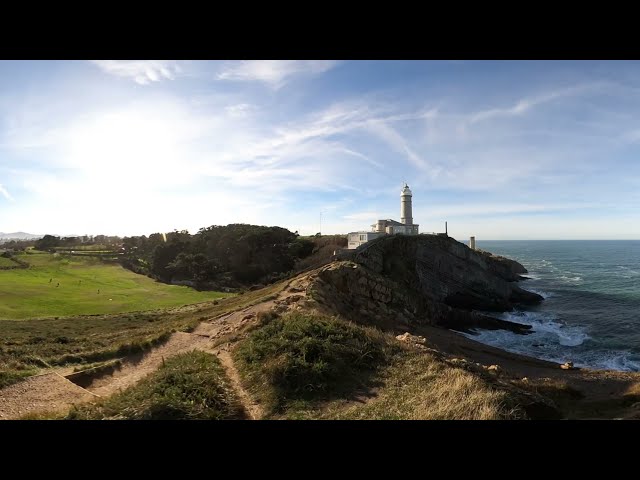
142	72
275	73
5	193
240	110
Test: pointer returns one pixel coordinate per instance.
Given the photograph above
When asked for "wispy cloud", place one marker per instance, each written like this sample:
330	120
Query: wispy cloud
353	116
142	72
5	193
387	133
365	216
275	73
363	157
490	209
240	109
632	136
525	104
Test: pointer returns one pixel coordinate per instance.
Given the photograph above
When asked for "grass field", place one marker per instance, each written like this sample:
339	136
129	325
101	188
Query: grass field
58	285
6	262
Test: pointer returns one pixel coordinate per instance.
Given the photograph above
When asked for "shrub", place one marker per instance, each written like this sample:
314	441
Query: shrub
309	357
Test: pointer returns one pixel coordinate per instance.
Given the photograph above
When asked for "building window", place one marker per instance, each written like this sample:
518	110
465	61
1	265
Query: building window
363	238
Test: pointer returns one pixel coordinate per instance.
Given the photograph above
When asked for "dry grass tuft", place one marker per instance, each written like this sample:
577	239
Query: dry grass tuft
417	386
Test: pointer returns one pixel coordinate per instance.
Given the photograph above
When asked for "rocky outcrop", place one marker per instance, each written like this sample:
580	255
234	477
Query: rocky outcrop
504	267
355	292
448	271
398	281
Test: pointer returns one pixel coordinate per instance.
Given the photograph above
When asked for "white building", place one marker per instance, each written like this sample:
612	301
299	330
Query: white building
358	238
389	227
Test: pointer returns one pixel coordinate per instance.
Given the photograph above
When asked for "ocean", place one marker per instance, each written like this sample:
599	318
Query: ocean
591	309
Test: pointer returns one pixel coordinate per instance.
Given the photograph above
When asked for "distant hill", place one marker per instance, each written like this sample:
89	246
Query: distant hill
18	236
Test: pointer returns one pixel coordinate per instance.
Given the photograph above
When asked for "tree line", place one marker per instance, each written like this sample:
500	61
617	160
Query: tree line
217	257
231	256
50	242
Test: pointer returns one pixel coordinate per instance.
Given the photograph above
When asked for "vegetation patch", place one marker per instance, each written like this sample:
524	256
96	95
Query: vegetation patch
418	386
189	386
300	359
29	345
8	263
9	376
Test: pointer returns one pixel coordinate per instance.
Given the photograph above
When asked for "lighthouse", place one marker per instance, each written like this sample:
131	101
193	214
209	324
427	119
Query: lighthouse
406	216
388	226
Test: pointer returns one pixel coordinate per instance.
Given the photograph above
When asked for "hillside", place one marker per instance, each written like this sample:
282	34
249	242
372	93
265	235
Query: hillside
18	236
364	337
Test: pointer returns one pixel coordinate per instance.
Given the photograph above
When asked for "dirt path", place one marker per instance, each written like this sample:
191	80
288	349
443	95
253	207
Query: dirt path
237	321
52	392
42	393
134	368
254	410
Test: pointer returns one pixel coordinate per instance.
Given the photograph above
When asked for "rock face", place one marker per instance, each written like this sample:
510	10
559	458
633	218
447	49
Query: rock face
399	281
448	271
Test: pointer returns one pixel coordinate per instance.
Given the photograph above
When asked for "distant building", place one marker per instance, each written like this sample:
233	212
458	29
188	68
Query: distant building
359	238
387	226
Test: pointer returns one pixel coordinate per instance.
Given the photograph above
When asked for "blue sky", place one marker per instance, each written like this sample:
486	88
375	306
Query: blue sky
499	149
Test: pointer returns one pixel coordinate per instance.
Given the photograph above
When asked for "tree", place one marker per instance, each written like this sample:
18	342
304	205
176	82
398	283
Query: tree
47	243
229	255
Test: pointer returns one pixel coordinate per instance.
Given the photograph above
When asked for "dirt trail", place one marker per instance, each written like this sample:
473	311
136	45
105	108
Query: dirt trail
53	392
254	409
135	368
235	322
42	393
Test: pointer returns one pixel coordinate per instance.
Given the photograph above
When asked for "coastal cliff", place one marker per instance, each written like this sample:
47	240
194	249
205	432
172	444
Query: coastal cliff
401	281
448	271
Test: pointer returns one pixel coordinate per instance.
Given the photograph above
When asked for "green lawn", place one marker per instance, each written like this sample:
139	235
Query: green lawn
57	285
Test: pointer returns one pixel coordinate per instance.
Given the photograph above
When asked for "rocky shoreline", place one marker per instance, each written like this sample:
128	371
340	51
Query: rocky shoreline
432	287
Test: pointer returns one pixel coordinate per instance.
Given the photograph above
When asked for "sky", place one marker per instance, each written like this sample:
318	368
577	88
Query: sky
498	149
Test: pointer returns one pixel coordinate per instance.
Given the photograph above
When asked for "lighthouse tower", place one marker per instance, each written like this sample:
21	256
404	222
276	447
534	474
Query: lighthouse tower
406	215
388	226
